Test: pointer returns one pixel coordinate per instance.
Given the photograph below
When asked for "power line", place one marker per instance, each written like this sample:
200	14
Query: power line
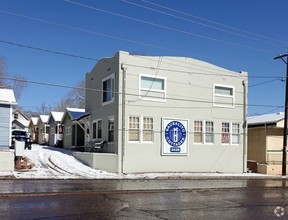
128	94
219	24
90	32
48	51
77	29
166	27
146	67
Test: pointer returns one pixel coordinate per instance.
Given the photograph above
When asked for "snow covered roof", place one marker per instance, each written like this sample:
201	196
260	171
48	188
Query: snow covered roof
76	109
43	118
57	116
34	120
7	97
265	119
74	113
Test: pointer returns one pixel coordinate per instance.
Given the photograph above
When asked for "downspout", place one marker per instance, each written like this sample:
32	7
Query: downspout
244	126
122	152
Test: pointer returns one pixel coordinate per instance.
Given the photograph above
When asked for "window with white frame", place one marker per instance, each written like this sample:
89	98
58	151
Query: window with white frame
152	88
204	132
225	136
141	129
108	88
209	132
223	96
148	129
235	133
111	129
97	129
134	128
198	132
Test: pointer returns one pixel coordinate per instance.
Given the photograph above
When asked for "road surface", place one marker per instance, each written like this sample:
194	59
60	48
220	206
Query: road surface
143	199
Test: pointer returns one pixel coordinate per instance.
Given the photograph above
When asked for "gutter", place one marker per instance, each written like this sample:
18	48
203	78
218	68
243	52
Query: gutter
244	126
122	152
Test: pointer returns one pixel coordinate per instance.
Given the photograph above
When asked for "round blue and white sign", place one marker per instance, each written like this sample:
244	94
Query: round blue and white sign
175	135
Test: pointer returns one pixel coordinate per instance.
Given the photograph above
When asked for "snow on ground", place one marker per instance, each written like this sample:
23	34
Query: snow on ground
58	163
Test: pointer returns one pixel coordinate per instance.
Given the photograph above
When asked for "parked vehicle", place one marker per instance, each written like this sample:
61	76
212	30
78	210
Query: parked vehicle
20	135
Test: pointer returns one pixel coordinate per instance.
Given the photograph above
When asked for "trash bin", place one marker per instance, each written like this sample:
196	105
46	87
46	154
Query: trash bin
19	148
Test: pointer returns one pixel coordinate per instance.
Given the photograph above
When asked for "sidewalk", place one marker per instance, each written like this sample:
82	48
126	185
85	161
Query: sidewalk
32	174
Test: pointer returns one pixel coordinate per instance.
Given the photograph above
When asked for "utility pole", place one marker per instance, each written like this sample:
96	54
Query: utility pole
285	116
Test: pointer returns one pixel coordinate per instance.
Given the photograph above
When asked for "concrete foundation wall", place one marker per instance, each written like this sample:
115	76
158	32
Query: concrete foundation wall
6	161
101	161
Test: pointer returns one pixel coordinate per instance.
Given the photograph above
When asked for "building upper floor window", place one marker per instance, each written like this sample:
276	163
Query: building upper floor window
223	96
108	88
152	88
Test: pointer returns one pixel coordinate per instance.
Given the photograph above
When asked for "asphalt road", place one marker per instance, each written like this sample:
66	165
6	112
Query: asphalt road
144	199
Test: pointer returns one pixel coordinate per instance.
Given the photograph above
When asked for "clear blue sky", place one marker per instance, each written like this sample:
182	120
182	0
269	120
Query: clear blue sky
100	28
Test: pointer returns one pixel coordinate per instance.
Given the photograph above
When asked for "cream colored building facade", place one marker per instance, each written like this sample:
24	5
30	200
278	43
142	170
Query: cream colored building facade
166	114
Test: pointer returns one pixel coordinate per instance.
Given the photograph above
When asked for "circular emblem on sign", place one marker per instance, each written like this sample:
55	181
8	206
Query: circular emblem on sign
175	134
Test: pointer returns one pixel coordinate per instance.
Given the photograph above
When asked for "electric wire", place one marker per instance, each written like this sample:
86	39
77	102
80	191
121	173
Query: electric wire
128	94
139	66
269	39
167	27
199	23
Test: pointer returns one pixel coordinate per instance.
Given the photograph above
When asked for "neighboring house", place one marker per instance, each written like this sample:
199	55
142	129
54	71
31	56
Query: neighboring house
33	129
43	129
75	130
7	100
56	128
166	114
21	121
265	142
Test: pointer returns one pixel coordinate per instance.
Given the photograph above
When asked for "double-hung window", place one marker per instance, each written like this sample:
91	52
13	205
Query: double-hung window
209	132
225	136
148	129
108	88
198	132
141	129
111	129
223	96
134	128
230	133
235	133
97	129
204	132
152	88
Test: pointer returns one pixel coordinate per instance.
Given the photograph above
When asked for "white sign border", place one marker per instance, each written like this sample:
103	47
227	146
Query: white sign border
165	144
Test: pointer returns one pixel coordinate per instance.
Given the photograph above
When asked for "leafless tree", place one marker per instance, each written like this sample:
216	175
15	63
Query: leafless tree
75	98
15	82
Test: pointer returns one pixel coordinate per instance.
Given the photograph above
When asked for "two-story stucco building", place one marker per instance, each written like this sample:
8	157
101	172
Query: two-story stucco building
167	114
